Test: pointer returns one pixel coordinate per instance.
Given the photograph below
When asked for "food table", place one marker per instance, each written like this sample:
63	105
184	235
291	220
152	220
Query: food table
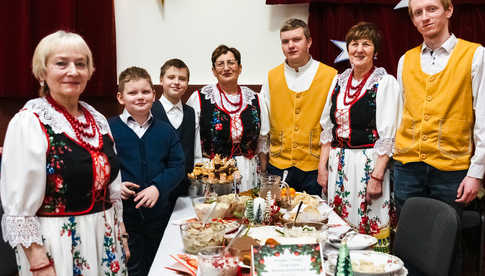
172	240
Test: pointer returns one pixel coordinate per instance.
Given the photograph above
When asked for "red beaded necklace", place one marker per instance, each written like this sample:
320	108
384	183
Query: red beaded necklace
350	99
223	94
80	127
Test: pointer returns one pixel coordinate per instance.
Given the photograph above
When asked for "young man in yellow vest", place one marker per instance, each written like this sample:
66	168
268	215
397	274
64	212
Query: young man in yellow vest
295	94
439	149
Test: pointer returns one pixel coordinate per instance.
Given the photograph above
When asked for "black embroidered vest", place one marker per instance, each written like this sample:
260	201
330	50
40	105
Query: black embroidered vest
70	182
362	117
215	130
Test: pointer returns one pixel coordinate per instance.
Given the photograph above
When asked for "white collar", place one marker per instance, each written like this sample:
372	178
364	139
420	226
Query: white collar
168	105
125	116
302	68
448	45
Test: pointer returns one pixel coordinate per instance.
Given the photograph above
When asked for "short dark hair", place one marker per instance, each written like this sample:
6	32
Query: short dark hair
295	23
174	62
223	49
365	30
133	73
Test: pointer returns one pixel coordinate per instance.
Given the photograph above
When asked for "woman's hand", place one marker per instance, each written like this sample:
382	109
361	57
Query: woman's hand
374	190
124	241
48	271
322	179
128	190
263	162
38	260
147	198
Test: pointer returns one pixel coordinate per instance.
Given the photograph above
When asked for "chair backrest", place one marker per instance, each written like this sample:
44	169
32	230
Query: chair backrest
426	235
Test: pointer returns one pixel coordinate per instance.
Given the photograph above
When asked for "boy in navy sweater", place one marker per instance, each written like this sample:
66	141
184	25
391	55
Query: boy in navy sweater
152	165
174	78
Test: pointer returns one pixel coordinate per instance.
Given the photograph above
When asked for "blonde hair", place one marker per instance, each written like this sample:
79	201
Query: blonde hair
53	42
446	5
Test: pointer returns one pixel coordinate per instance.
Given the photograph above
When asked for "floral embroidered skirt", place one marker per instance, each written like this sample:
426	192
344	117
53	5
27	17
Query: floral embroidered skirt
349	170
81	245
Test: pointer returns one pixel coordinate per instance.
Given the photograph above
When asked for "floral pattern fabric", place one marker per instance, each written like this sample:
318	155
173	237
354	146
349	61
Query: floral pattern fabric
92	251
349	172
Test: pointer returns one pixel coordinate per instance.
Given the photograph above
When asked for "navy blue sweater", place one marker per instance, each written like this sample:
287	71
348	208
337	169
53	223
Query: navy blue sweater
156	159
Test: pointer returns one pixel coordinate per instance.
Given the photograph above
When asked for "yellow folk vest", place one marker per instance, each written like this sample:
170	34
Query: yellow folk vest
295	119
437	121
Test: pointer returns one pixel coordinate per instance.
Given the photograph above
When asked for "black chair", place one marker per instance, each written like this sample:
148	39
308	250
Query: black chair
426	236
473	229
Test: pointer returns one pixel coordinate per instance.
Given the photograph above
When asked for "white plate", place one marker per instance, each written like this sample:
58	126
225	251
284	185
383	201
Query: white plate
357	241
368	263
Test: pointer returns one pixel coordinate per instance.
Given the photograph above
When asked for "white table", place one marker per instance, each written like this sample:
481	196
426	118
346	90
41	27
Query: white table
172	240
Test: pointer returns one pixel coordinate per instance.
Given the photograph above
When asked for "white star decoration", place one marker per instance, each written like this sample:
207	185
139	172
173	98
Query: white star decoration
344	55
402	4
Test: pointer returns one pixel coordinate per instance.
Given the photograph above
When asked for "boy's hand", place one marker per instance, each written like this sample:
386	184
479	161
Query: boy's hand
127	189
147	198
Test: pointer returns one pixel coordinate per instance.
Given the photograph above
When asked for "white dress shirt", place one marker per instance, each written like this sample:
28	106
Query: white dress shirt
175	112
139	129
433	62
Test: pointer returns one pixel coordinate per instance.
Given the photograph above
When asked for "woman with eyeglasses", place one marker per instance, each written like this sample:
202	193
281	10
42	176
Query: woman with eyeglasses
231	120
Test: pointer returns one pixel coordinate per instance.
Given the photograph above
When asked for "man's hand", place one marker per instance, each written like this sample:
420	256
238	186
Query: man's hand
147	198
128	189
468	189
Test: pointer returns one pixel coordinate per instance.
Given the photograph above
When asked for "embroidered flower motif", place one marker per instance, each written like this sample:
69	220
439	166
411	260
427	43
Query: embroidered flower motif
218	126
79	263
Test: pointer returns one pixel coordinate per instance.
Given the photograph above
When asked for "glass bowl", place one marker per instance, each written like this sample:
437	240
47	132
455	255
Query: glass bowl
213	260
196	235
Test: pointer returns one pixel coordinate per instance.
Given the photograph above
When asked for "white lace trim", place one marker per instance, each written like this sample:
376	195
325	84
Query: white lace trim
384	146
21	230
209	93
59	124
326	136
374	78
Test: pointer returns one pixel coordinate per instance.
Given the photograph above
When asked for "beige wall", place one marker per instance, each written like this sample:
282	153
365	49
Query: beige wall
148	33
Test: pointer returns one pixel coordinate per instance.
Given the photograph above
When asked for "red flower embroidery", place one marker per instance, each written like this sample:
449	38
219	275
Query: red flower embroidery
115	266
337	201
218	126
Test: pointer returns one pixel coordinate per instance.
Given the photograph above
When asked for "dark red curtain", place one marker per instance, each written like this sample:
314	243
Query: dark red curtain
331	19
24	22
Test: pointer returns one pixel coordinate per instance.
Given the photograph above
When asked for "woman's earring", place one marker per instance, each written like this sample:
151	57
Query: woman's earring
375	57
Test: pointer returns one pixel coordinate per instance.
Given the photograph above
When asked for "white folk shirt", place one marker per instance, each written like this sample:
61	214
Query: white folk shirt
435	61
139	129
175	112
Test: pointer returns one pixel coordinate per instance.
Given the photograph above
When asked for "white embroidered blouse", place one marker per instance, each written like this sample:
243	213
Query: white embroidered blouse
23	172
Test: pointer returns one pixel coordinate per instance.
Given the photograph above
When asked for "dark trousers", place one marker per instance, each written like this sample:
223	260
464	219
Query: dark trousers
144	239
299	180
420	179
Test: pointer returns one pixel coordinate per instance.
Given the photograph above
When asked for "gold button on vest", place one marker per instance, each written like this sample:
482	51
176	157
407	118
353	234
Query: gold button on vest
437	121
295	119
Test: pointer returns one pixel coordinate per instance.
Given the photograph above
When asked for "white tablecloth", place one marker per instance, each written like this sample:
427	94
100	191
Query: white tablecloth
172	240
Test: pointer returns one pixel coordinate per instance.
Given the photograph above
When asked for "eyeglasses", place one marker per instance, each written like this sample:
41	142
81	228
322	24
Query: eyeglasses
230	63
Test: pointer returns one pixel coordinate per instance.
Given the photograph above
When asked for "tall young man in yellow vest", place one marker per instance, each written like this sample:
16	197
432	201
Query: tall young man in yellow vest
439	149
440	144
295	94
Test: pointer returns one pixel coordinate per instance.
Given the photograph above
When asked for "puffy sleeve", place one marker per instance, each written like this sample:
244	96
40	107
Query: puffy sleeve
23	178
194	102
263	145
325	122
388	109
